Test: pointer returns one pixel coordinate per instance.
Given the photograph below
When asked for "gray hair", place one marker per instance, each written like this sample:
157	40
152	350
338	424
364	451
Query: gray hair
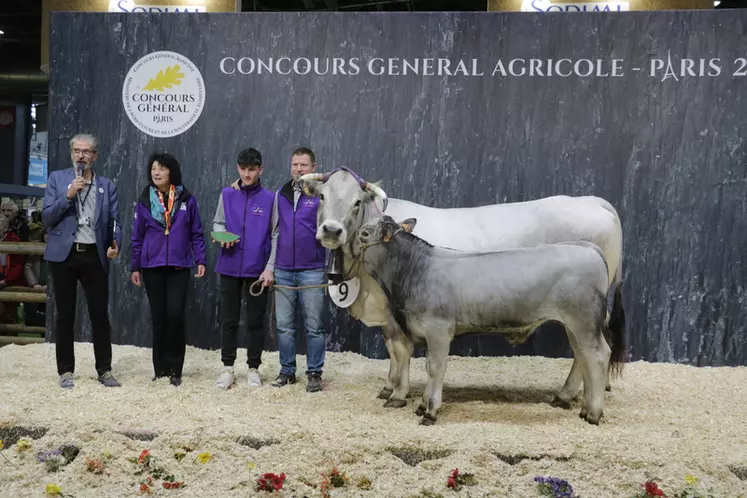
13	206
85	137
4	223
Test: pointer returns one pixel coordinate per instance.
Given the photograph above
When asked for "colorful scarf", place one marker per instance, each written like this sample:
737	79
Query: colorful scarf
158	206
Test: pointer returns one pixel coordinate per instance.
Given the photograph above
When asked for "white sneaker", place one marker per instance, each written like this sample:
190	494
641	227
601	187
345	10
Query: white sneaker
226	378
253	379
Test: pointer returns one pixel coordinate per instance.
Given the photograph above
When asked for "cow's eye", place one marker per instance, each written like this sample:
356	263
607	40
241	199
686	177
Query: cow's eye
321	197
357	203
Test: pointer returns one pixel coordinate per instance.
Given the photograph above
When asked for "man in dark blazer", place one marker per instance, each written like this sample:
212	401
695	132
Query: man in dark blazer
81	215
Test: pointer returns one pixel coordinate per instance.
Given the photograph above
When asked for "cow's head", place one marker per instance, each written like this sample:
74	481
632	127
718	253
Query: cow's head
346	202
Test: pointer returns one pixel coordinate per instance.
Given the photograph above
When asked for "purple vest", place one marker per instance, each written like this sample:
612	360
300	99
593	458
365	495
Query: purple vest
248	213
298	248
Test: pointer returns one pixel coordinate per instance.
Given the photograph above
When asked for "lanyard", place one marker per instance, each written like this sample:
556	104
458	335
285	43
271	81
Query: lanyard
90	187
167	212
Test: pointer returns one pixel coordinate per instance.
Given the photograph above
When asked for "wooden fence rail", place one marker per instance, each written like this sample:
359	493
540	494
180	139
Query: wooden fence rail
17	294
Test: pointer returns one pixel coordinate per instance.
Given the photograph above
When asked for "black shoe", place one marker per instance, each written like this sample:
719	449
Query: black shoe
315	383
284	380
175	381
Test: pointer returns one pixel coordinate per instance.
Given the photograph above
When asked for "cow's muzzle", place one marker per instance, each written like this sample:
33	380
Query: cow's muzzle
331	235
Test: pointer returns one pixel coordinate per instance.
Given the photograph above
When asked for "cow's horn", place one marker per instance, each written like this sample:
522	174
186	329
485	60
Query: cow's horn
378	192
312	177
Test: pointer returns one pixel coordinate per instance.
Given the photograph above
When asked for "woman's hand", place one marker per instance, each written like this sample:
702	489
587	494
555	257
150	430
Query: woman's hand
200	271
135	278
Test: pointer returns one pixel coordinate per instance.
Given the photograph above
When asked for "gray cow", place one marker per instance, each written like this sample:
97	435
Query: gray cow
436	294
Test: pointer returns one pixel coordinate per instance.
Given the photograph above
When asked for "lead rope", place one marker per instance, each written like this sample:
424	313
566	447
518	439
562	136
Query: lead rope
302	287
318	286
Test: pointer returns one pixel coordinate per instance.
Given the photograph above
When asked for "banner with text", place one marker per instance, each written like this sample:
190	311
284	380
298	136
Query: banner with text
645	109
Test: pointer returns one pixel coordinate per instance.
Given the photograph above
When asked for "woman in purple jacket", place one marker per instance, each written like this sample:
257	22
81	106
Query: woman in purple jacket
167	240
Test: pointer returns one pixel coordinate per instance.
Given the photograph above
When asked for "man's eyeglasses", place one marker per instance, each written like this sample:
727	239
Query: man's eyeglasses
85	152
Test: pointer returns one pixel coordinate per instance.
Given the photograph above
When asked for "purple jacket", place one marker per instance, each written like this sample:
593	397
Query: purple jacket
247	212
183	247
297	248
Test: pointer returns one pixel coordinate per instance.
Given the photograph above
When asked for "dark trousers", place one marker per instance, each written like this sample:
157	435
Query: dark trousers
166	287
85	267
230	304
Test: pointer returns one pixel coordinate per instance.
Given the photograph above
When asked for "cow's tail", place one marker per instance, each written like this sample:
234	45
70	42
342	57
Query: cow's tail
616	327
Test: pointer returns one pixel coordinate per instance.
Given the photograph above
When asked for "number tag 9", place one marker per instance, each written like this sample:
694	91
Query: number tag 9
345	294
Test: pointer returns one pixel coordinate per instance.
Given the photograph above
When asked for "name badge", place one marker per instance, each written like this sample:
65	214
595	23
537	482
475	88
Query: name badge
183	207
345	294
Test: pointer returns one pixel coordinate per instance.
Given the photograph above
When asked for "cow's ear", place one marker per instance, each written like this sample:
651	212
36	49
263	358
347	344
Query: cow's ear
409	224
310	187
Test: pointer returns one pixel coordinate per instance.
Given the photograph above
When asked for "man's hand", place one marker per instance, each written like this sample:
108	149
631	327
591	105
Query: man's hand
113	251
267	278
200	271
135	278
226	245
75	187
39	288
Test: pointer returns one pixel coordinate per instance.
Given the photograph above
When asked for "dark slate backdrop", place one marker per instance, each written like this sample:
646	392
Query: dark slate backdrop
669	153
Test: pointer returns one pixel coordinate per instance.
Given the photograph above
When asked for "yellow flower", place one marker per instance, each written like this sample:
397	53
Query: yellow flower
251	465
1	444
22	445
54	489
691	479
204	457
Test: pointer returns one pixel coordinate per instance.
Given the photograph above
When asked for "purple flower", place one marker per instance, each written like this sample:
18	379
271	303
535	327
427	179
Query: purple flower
559	488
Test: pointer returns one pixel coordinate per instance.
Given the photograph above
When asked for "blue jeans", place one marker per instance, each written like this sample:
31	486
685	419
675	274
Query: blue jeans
312	307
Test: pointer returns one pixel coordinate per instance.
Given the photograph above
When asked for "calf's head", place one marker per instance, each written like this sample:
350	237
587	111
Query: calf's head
345	203
380	232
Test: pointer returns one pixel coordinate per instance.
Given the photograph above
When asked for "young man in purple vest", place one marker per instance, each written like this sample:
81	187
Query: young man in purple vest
300	262
248	213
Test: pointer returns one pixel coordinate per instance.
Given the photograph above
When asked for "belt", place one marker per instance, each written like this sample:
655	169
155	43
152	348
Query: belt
83	247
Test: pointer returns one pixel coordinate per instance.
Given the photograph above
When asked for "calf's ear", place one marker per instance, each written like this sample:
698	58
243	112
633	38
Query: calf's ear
388	233
409	224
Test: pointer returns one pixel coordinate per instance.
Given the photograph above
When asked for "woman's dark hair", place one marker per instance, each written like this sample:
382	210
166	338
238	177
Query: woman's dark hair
167	161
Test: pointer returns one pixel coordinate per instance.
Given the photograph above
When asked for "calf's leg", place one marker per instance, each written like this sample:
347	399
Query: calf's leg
438	352
592	348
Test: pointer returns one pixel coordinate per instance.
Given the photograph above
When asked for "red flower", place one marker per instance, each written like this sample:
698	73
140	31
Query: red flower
451	483
145	454
270	482
145	489
652	489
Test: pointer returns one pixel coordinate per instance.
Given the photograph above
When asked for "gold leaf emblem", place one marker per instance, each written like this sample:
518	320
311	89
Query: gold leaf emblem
165	79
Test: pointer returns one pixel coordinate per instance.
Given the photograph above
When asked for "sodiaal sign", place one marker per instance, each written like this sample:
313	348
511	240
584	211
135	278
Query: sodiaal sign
547	6
163	94
131	6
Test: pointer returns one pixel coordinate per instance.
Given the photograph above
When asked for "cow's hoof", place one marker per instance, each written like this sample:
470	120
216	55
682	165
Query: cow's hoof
608	388
583	413
385	393
427	420
420	411
395	403
593	420
560	403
